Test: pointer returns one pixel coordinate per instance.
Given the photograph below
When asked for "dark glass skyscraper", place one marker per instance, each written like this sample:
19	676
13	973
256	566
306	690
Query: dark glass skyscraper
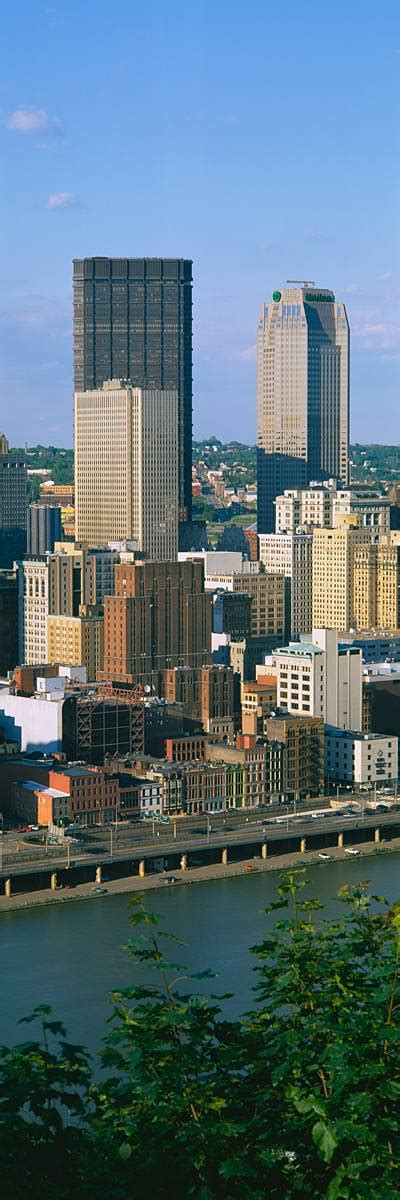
133	321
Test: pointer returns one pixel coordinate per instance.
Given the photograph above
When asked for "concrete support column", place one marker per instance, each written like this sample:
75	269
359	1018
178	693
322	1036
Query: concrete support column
53	880
377	836
184	862
7	888
303	846
142	868
340	841
98	874
264	850
224	857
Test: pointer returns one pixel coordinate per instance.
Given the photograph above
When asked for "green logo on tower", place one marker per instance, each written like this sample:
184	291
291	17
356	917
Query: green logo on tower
276	296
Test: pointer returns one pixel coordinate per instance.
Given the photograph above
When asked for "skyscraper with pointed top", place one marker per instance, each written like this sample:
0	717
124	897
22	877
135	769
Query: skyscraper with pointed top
302	394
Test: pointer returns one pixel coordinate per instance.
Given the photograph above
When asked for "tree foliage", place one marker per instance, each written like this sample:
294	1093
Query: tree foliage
297	1098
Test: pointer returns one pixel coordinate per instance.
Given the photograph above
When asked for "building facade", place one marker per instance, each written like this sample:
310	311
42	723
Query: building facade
13	504
133	320
8	621
79	640
302	394
291	555
43	528
33	607
322	678
360	758
127	467
321	505
333	576
160	617
303	738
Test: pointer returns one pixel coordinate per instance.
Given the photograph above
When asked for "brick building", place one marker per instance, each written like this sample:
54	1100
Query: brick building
159	617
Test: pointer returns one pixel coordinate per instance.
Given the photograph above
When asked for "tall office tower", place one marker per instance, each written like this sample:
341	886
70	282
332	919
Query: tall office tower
13	504
33	608
302	394
133	321
159	617
126	467
43	528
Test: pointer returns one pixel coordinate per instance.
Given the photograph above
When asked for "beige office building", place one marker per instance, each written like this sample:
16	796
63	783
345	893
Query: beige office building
126	468
321	506
78	641
334	551
377	585
290	555
33	602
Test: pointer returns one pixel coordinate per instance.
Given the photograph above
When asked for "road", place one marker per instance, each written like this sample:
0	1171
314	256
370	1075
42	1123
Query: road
109	845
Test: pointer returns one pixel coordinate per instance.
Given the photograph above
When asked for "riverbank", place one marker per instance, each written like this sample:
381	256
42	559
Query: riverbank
214	871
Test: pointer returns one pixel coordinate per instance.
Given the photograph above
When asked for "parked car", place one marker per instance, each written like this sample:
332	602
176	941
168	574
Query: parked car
170	879
325	857
99	891
351	850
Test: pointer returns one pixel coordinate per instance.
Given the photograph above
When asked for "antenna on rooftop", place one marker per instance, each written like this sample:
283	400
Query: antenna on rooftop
303	282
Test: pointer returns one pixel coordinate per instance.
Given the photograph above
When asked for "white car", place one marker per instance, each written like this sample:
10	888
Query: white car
351	850
325	857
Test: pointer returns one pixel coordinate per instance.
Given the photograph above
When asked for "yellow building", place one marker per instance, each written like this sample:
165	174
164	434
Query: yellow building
333	565
78	641
388	583
267	593
365	587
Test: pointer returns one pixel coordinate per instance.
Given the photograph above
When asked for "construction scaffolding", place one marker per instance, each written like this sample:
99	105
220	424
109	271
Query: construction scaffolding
108	720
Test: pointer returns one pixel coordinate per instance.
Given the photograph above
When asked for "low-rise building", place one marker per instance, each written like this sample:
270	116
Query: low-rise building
303	738
259	699
360	759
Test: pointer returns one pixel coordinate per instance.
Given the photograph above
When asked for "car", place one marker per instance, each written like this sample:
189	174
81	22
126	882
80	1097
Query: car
248	867
281	820
351	850
170	879
325	857
99	891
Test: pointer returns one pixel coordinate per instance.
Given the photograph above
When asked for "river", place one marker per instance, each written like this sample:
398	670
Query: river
71	956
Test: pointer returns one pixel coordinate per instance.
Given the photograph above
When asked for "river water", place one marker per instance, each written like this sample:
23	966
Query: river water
71	956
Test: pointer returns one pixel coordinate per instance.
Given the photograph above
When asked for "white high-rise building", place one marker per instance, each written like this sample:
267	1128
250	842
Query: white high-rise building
126	468
302	394
320	677
33	608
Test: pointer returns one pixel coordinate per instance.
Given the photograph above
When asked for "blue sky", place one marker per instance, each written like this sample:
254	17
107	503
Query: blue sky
261	140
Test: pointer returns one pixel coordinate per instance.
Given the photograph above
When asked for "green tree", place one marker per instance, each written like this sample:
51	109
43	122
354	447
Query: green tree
298	1098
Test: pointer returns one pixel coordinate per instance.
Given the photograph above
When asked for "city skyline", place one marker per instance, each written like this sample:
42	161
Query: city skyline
256	171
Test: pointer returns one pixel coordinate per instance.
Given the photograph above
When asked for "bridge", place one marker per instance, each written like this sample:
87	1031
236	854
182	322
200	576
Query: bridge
141	854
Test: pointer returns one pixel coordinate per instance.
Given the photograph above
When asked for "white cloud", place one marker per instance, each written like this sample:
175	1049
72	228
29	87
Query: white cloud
374	333
61	200
314	235
33	120
248	355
